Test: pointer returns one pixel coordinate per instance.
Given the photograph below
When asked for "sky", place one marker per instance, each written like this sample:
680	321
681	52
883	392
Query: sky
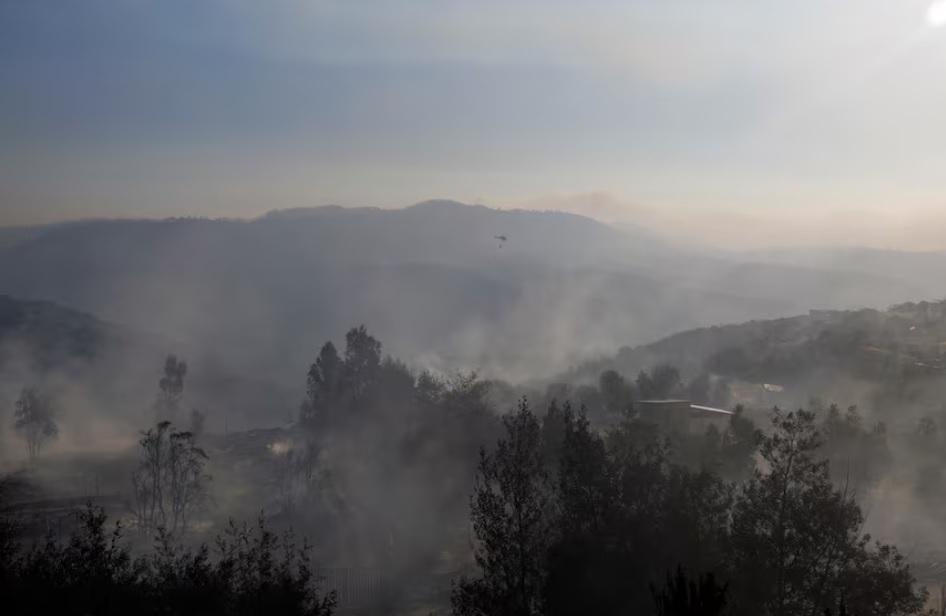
742	122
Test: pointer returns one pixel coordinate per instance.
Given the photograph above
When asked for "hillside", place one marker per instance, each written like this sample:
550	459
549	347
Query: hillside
432	280
101	372
864	356
50	330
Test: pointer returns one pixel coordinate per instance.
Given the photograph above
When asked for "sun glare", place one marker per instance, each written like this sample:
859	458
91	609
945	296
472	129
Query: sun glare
936	14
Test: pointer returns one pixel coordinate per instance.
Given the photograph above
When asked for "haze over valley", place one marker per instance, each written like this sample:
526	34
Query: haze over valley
517	308
432	280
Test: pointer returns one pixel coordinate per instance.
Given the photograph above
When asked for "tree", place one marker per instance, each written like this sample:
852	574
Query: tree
170	389
662	382
553	435
362	361
796	545
699	389
4	404
169	485
423	433
335	386
856	456
323	388
198	422
842	610
261	573
558	393
91	573
589	396
509	510
586	568
687	597
255	573
621	513
35	418
927	429
738	446
9	539
586	489
646	386
617	394
297	473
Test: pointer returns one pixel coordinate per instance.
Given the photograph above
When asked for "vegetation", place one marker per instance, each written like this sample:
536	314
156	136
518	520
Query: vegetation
570	511
35	419
510	518
249	572
594	533
423	433
902	343
688	597
169	485
427	272
171	389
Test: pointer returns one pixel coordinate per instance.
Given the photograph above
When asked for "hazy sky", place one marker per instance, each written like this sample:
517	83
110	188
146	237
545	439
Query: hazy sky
755	121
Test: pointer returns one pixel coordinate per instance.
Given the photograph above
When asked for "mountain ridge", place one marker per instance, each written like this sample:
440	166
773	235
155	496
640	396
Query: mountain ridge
430	280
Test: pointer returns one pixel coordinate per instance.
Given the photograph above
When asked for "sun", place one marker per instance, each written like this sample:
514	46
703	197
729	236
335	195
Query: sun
936	14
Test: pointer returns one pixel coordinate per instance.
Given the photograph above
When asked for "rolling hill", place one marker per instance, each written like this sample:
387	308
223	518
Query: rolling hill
891	361
101	373
431	281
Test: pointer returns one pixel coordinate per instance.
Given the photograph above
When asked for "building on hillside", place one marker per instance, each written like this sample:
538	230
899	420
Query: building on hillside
681	414
922	312
761	395
665	413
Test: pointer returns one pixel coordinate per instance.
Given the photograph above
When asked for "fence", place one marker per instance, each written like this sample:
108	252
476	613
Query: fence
57	518
354	586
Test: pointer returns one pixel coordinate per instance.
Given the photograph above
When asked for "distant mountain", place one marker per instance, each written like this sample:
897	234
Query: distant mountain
432	281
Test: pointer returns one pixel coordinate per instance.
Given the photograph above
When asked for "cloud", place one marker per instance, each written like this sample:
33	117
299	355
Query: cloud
917	228
665	46
180	107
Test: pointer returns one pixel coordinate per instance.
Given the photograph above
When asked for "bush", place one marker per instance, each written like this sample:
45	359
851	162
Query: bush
255	572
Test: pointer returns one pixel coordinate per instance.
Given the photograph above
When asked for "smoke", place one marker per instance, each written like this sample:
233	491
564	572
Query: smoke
280	448
733	224
248	304
94	413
